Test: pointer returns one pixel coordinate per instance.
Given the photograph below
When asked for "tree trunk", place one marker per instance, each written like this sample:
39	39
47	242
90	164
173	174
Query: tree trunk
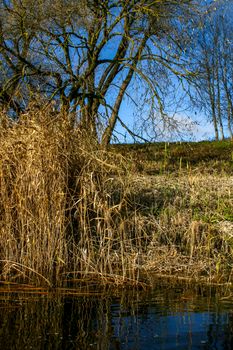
219	112
229	119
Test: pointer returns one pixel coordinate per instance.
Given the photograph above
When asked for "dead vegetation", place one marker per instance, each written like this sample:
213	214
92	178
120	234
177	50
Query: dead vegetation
71	211
190	220
63	205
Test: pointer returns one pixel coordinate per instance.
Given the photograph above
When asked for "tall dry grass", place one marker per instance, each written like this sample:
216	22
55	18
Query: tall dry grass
63	205
34	162
73	212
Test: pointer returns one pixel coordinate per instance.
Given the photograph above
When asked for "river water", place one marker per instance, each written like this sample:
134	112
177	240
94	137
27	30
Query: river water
170	316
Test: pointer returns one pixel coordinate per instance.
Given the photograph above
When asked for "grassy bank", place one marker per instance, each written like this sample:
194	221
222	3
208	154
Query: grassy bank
183	195
72	212
163	157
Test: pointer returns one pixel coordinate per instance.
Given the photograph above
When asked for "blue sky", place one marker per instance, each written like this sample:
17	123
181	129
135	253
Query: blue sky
195	125
200	130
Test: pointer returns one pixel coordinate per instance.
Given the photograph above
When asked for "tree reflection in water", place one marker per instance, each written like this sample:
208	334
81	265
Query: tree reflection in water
166	318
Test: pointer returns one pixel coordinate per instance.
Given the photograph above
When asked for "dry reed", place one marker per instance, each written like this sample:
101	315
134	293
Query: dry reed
63	204
71	211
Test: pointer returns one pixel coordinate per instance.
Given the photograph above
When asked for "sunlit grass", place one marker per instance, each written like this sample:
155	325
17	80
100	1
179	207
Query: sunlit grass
158	157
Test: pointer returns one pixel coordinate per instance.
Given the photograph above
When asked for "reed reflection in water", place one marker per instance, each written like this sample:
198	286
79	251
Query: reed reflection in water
164	319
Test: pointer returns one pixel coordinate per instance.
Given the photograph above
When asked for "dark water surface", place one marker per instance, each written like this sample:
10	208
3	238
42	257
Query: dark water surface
170	316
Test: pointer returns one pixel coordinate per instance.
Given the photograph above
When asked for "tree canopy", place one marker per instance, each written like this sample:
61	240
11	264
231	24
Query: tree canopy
86	55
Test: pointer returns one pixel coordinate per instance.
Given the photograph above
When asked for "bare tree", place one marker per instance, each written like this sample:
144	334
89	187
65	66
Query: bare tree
226	72
86	54
214	65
